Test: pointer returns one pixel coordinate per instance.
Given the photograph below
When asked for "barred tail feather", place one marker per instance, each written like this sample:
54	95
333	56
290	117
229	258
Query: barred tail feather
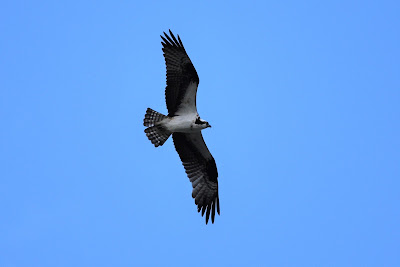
157	135
151	117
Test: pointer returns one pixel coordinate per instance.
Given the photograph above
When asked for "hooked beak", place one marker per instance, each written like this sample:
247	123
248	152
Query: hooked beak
208	125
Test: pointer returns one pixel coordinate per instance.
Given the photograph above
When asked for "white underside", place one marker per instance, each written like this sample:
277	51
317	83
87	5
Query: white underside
182	124
188	104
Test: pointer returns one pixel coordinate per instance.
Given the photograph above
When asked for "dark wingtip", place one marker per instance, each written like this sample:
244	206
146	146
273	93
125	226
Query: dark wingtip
171	40
164	42
213	211
218	205
208	213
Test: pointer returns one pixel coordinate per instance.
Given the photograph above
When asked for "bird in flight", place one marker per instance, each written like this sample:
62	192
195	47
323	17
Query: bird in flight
185	125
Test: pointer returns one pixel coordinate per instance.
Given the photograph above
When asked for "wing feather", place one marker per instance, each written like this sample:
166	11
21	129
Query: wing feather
180	74
201	169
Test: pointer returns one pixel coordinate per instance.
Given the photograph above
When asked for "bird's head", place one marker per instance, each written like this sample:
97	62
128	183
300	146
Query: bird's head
202	123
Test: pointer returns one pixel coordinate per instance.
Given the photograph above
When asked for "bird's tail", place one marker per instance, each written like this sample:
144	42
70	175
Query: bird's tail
151	117
156	133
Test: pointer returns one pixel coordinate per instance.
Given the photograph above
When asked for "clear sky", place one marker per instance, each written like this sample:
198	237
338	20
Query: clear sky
304	100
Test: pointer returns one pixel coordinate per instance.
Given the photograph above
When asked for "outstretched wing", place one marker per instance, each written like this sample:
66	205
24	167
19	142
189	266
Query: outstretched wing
182	79
201	169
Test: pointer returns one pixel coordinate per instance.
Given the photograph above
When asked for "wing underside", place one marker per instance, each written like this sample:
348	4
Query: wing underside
182	78
202	171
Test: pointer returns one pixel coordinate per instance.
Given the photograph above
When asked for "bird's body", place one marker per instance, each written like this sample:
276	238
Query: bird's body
185	125
182	124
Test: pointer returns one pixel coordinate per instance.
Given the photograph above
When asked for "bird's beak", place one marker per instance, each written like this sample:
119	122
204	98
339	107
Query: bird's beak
209	125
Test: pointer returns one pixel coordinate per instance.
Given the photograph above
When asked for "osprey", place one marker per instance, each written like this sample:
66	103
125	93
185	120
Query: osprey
185	125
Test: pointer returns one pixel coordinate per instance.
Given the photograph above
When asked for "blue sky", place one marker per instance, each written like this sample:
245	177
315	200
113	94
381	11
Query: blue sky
304	100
